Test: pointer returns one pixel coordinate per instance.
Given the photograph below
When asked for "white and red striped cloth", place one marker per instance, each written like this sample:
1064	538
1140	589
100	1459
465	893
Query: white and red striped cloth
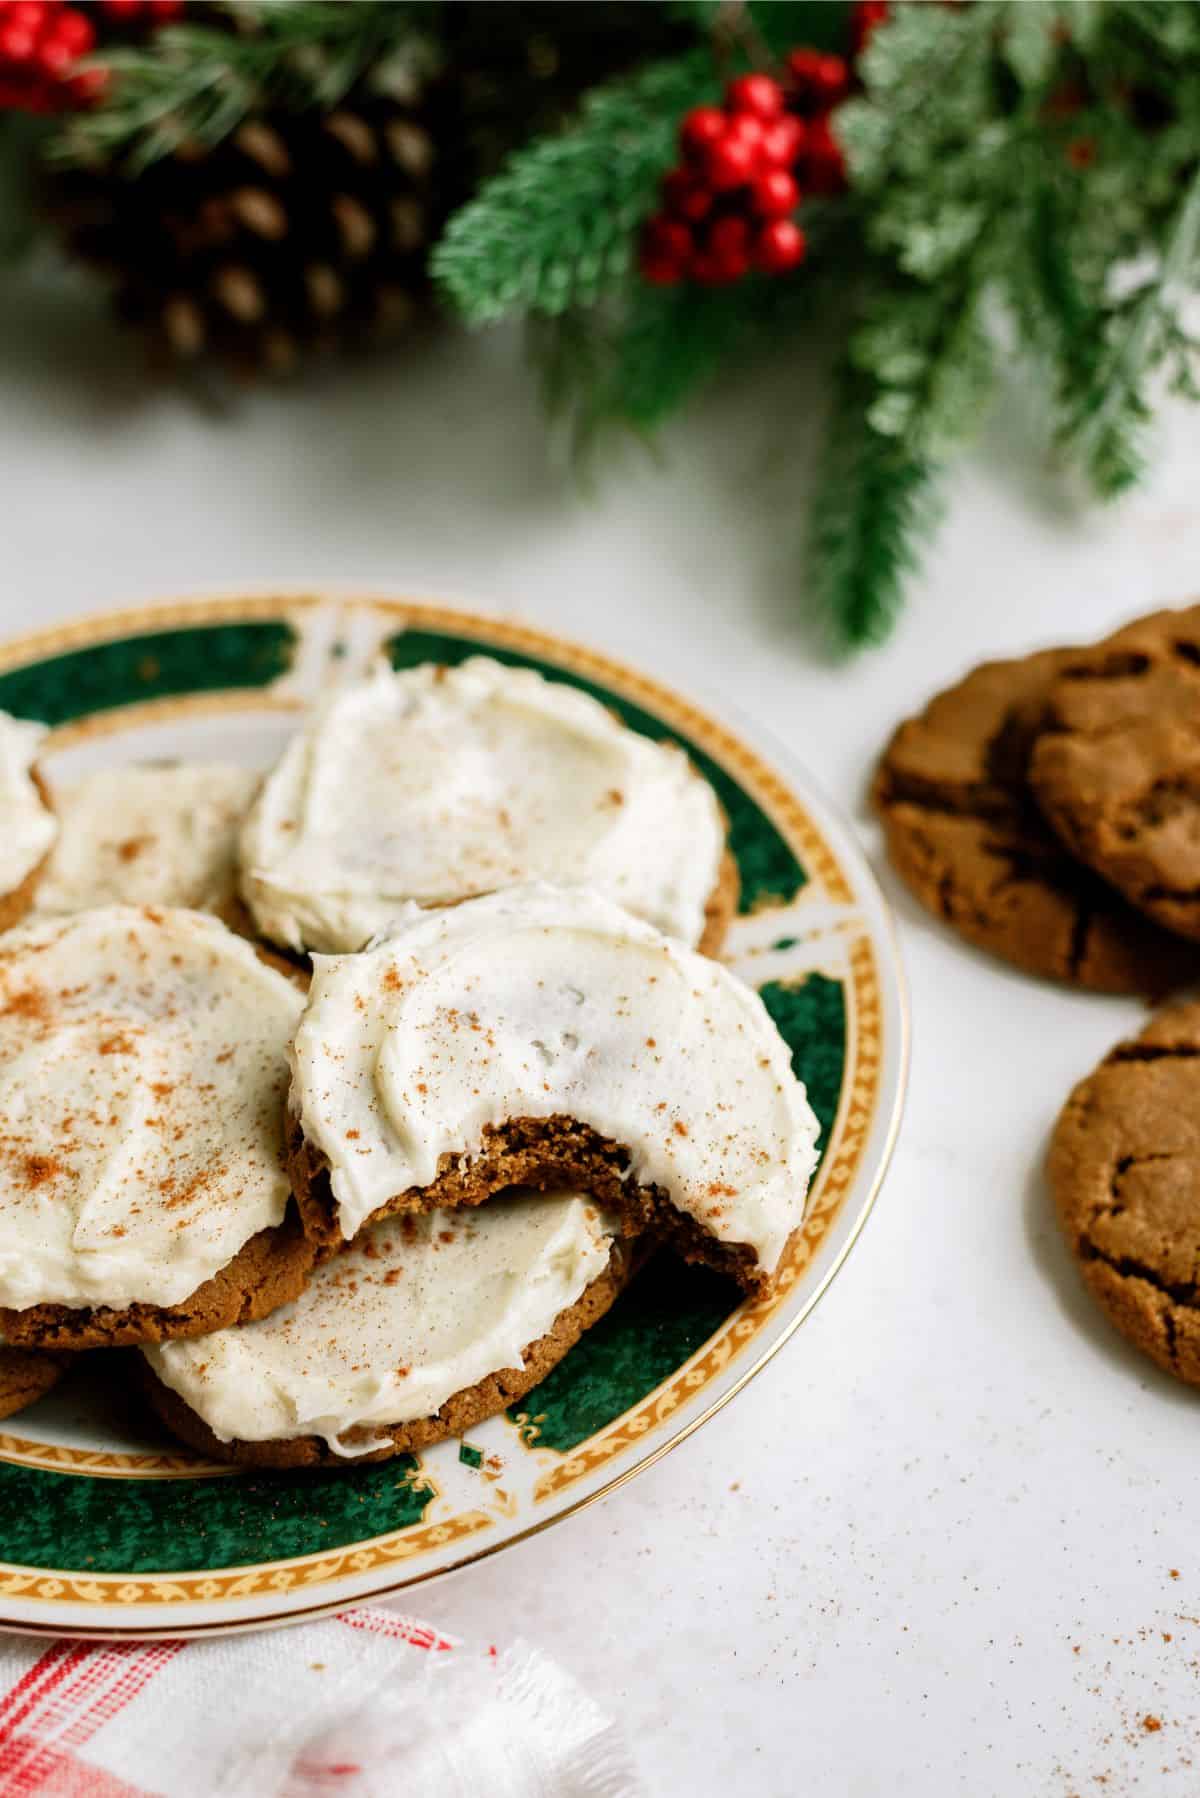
365	1705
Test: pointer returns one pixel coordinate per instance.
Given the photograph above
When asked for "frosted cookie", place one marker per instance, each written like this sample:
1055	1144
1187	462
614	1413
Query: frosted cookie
422	1328
143	1069
28	826
436	784
155	835
25	1377
544	1037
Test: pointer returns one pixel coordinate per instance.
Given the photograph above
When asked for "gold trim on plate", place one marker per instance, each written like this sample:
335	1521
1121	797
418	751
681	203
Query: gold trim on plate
851	1131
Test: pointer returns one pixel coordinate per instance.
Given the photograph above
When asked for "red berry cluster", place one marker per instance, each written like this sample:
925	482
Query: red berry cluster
41	42
729	205
142	12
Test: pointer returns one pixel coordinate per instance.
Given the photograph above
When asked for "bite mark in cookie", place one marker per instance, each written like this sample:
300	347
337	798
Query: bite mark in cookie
966	835
543	1035
419	1330
1124	1167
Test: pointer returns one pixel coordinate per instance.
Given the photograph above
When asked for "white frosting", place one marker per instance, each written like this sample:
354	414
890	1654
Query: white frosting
27	826
439	783
417	1310
147	836
544	1000
143	1067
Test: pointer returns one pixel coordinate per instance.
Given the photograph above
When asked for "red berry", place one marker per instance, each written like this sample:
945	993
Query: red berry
30	15
824	166
819	77
735	265
54	58
711	270
775	194
665	239
747	129
703	127
757	94
783	141
163	11
864	19
660	271
779	246
121	10
666	249
728	237
731	163
685	195
88	85
16	44
75	32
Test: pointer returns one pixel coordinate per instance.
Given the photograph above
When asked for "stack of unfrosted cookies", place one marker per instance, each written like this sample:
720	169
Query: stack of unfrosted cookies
1049	809
352	1099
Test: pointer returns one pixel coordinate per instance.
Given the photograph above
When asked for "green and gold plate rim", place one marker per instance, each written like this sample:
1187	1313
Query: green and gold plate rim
150	656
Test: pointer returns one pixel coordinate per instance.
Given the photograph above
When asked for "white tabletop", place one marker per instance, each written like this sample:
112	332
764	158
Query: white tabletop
947	1541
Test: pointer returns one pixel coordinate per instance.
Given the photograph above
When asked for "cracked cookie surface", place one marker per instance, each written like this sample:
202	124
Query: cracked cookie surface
1124	1166
1116	764
965	834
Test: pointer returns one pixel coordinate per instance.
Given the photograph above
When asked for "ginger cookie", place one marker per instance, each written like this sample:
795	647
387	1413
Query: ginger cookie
544	1036
160	834
1124	1168
436	784
28	826
965	834
1116	764
143	1070
422	1328
26	1377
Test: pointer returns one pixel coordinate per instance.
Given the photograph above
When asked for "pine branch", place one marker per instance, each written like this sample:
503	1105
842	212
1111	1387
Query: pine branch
636	362
556	227
194	84
872	509
1104	423
636	368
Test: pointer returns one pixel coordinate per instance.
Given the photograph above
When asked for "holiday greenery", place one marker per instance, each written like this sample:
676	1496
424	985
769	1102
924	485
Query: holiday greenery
1022	188
929	193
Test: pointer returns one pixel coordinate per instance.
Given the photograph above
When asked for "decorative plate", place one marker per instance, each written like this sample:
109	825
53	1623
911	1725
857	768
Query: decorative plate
107	1528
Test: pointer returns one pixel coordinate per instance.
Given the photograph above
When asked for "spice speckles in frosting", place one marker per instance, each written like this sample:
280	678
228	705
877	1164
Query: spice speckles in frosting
147	836
436	784
143	1067
546	1002
418	1309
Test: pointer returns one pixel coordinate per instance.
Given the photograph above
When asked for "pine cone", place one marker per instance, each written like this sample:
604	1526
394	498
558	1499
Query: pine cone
301	232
